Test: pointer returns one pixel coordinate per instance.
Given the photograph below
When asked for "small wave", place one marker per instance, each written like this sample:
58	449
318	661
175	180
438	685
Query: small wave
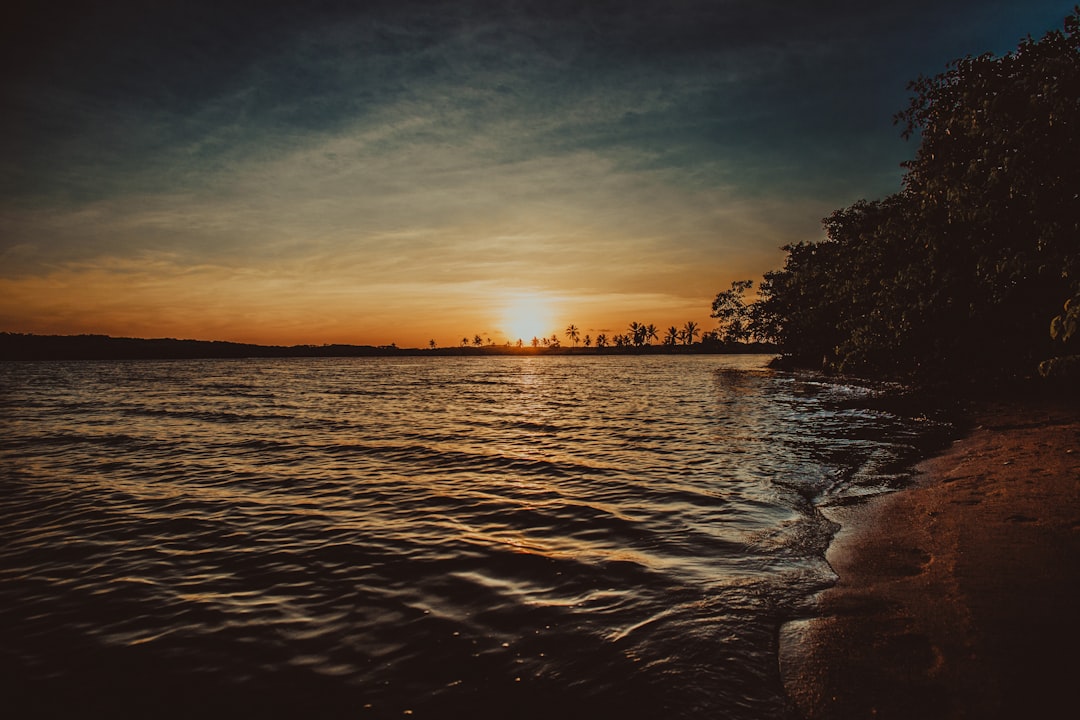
619	536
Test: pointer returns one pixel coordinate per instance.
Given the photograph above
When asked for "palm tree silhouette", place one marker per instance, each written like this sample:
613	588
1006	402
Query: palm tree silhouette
690	331
431	343
573	334
650	333
672	336
477	340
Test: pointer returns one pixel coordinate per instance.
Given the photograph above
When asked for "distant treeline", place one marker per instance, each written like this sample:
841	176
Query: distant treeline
972	270
17	346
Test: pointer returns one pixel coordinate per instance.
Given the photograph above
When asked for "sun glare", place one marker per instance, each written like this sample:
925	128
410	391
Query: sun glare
526	317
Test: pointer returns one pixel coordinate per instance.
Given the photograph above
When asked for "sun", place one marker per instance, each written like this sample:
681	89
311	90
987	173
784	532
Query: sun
527	316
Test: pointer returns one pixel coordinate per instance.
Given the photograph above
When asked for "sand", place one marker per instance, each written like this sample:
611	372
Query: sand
958	597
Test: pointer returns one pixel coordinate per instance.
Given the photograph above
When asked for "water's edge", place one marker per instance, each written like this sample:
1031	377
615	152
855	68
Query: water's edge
947	420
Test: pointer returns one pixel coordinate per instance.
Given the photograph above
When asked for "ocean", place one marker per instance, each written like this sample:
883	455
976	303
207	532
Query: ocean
442	537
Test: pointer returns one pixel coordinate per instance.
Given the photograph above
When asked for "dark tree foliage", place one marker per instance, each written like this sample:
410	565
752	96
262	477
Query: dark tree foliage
961	271
729	307
1065	329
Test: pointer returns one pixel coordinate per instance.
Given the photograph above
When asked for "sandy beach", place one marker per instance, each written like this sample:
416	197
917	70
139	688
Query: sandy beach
957	597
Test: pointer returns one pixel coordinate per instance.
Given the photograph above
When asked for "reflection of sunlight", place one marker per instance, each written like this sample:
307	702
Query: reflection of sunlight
526	317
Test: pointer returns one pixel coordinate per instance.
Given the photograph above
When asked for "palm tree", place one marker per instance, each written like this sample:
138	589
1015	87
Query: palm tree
431	344
535	341
672	336
477	340
601	340
637	334
587	341
690	331
573	334
650	333
464	341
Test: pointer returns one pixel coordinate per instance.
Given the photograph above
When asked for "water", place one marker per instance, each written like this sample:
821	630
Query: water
435	537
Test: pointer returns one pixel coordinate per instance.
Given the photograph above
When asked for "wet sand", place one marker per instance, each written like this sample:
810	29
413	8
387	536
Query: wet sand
958	597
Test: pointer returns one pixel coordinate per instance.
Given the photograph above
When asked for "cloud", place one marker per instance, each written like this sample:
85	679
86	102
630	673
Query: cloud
345	205
411	153
677	83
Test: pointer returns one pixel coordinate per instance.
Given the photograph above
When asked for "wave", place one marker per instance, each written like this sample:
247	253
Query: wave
445	535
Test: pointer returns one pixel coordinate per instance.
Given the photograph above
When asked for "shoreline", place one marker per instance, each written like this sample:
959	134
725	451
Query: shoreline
956	597
29	347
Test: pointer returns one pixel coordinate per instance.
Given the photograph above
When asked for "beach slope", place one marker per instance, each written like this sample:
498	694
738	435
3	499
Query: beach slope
958	597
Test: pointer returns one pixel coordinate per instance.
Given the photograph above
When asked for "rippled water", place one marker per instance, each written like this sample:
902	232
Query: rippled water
440	537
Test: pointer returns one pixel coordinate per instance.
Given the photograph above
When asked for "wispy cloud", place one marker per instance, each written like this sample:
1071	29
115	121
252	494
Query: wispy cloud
313	157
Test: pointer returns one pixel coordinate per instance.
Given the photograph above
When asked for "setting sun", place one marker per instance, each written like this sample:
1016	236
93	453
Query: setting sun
526	317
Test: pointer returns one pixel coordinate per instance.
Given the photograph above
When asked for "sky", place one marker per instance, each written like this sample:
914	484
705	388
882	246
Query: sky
398	172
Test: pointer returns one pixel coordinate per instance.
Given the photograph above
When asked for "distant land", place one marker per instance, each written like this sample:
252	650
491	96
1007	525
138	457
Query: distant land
19	346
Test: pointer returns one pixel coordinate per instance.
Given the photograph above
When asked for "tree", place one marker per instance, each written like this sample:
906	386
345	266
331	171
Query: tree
477	340
858	301
431	344
587	341
650	333
959	273
672	336
601	340
997	181
464	341
535	341
689	332
1066	326
1065	329
764	323
733	313
573	334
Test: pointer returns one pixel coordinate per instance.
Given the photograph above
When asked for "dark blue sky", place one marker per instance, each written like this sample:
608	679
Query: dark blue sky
324	171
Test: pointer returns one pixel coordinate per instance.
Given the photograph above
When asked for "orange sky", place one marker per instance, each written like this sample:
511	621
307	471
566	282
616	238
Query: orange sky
281	304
